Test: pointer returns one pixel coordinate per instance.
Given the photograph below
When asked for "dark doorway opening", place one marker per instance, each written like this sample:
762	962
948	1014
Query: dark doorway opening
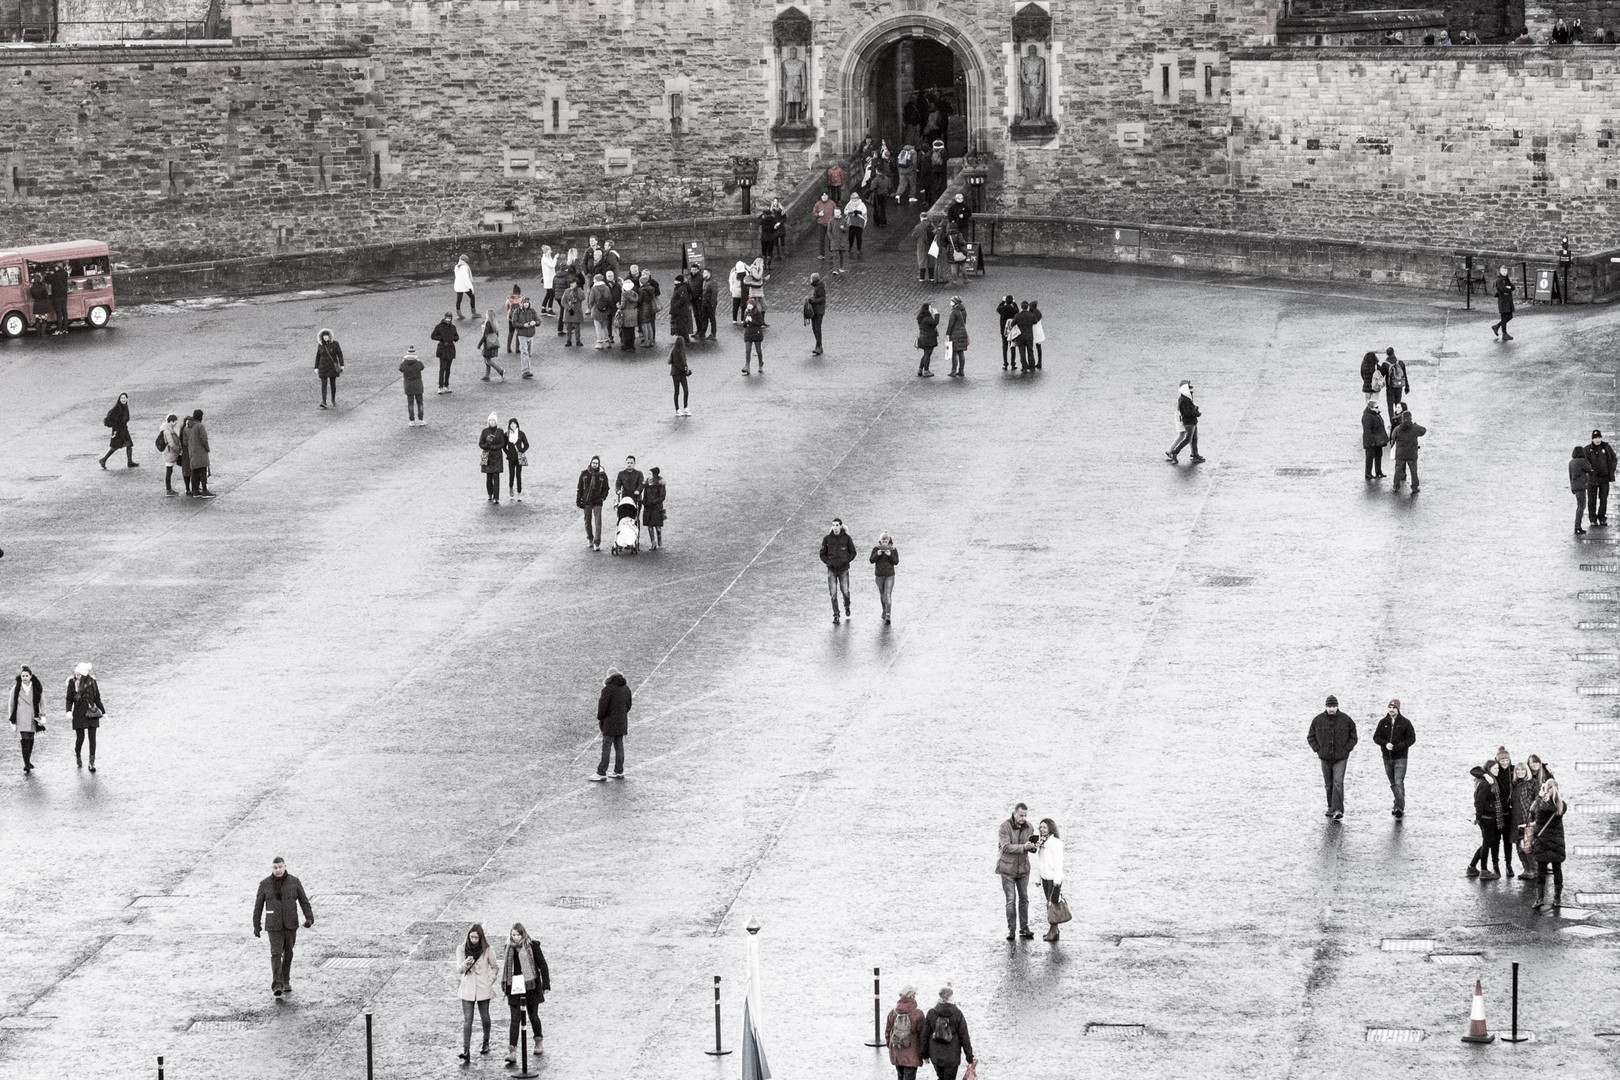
920	80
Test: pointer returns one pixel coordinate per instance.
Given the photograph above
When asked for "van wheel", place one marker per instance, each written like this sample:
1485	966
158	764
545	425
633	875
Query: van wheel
13	324
99	316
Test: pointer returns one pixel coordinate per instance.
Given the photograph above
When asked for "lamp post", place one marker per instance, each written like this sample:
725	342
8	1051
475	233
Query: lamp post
745	170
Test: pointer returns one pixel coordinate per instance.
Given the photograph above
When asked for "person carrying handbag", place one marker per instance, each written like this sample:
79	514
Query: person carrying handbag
1047	863
525	978
85	709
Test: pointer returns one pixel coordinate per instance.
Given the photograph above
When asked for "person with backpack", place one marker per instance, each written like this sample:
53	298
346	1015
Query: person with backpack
1396	384
948	1041
1395	736
904	1031
117	419
815	308
168	441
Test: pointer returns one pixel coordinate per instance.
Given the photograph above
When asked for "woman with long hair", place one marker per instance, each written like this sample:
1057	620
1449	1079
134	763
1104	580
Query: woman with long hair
118	420
517	456
1547	845
927	337
489	345
24	713
653	493
1488	816
1047	861
475	963
525	980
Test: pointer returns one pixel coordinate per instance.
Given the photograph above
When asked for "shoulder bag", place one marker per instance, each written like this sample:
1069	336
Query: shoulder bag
1057	911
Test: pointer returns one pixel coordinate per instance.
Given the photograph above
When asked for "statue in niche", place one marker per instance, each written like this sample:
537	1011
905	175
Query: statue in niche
1032	79
795	88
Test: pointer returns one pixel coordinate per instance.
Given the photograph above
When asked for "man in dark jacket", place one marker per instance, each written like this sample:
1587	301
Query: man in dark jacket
1405	437
328	364
613	717
946	1030
629	482
1394	735
838	551
1187	415
1014	842
817	308
1396	384
1332	736
711	304
279	898
446	335
1600	456
60	286
589	496
411	368
1374	436
1504	305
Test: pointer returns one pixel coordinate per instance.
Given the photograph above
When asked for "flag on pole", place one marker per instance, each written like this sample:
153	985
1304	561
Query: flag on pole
754	1066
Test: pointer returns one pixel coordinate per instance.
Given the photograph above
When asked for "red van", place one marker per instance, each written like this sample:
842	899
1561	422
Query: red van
90	289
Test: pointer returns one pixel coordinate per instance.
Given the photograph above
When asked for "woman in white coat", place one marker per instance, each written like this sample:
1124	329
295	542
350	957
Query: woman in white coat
171	453
475	961
548	280
1047	862
734	281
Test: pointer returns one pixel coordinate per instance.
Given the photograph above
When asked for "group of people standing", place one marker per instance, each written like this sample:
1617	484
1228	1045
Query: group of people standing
1023	849
84	710
1591	471
1518	806
1389	377
183	444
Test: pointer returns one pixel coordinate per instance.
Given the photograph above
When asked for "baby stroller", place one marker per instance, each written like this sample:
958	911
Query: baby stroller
627	537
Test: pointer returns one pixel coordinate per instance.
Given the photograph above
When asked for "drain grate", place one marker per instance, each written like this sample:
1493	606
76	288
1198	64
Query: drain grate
349	963
1592	899
1395	1035
1601	567
1456	959
205	1027
1606	725
1407	944
1596	808
43	479
1593	851
1298	470
1593	594
1599	657
1599	691
1598	624
1227	581
580	902
1597	766
1116	1031
1599	540
1582	930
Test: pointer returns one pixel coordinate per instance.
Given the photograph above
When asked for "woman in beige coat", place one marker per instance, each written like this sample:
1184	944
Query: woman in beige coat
475	963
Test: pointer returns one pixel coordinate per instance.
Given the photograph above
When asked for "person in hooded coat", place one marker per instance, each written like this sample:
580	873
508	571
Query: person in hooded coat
1405	437
171	452
1580	479
411	368
680	310
1504	305
446	334
23	713
906	1034
613	719
956	332
1374	437
328	364
1187	415
492	457
947	1033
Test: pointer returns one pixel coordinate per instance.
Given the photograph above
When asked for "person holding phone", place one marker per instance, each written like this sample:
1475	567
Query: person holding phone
885	557
475	963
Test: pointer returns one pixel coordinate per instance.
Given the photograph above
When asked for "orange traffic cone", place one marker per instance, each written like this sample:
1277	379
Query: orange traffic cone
1476	1019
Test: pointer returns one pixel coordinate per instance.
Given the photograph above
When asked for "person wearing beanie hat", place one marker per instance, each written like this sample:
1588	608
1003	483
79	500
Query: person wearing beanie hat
85	709
613	718
1332	735
492	457
946	1031
411	368
906	1034
1600	456
1394	736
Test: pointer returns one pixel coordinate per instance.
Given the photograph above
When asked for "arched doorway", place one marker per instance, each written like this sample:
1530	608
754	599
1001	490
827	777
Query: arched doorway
917	86
884	63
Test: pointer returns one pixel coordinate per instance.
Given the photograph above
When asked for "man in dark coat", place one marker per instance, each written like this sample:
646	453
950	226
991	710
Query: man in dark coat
446	335
629	481
613	717
1504	305
1332	736
589	496
817	308
1374	437
1405	437
1600	456
60	286
680	310
1394	736
838	551
1187	415
411	368
946	1030
711	303
279	898
1396	384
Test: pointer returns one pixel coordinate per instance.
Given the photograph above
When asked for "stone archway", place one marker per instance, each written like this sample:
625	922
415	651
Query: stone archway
862	53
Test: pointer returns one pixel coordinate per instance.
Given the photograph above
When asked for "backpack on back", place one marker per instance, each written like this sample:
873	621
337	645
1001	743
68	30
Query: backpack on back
944	1030
900	1033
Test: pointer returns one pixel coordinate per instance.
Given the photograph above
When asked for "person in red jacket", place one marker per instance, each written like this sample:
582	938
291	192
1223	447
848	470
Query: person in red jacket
905	1035
835	183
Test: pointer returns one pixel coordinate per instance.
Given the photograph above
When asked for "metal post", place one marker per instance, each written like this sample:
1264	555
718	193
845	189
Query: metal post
717	1051
368	1046
523	1072
1515	1038
160	1068
877	1012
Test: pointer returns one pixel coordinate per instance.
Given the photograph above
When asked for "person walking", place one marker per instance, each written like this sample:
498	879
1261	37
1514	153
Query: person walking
513	300
411	369
1395	736
1374	437
328	364
1504	305
1005	312
1369	376
1600	456
1014	843
927	337
629	481
1396	384
475	962
1047	863
85	710
522	321
195	439
822	212
815	309
24	715
653	493
573	313
489	345
589	495
446	335
491	458
464	286
168	441
1187	415
279	898
1488	816
905	1032
679	371
525	978
117	419
1332	736
956	332
1547	844
517	456
1405	437
613	719
948	1041
837	552
885	557
753	335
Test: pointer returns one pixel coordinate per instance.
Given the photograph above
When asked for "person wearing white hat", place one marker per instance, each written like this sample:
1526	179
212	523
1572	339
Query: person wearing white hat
85	709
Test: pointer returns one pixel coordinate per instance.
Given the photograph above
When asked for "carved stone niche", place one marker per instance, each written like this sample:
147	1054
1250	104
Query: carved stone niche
1032	23
793	34
1032	51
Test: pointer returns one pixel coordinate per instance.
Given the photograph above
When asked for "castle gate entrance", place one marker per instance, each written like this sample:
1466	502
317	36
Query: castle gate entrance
918	68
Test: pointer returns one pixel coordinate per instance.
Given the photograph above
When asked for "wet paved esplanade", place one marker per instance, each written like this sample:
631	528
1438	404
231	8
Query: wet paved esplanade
351	660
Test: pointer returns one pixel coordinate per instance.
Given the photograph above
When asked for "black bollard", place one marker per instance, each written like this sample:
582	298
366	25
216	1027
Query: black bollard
1514	1038
523	1072
160	1068
368	1046
717	1051
877	1012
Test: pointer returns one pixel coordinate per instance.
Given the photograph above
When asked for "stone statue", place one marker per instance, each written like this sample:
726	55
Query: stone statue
1032	77
795	87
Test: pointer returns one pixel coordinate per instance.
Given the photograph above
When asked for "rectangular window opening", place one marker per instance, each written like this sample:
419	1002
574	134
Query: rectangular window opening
1209	80
677	106
1164	80
174	180
556	114
320	164
376	170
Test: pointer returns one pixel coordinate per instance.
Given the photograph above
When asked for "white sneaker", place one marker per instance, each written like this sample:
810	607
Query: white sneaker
598	777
